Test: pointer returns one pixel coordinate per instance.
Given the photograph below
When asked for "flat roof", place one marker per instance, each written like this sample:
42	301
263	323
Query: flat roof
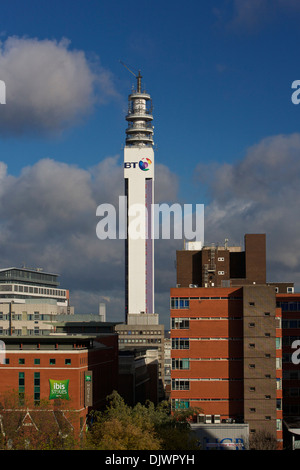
32	270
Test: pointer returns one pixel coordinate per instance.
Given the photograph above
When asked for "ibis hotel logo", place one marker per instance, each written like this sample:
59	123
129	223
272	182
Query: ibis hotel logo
59	389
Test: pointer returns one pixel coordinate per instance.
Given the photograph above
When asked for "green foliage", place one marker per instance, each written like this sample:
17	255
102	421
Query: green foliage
142	427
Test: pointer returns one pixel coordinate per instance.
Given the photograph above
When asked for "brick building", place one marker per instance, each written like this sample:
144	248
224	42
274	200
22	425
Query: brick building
38	368
227	337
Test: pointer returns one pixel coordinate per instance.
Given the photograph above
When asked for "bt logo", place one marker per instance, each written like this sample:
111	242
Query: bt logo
143	164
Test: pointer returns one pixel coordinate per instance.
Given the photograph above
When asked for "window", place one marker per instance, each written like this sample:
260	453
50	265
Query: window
52	362
67	362
180	343
180	404
21	388
251	325
37	388
182	364
21	361
180	384
180	302
180	323
37	362
251	304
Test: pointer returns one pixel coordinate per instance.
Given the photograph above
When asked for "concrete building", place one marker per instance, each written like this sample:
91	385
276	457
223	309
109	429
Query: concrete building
29	300
142	322
138	375
226	341
216	265
139	191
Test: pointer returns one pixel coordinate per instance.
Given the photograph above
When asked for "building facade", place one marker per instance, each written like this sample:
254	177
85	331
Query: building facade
66	371
29	300
227	341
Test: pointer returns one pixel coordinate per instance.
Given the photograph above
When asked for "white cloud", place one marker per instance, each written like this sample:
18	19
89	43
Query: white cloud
260	194
48	219
251	15
48	86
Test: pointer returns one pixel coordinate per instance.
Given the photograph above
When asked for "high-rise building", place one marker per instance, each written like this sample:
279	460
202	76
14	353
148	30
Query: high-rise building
226	337
29	300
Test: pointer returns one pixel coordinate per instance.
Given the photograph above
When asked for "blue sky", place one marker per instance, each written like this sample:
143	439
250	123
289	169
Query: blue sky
220	76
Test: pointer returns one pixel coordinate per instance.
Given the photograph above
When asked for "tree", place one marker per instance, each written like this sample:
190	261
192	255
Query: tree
34	427
142	427
262	440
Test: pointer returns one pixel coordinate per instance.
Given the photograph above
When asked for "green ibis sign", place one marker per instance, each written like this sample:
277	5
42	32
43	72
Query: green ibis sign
59	389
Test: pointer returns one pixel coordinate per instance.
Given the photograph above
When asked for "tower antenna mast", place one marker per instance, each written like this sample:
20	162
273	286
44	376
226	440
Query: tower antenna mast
138	77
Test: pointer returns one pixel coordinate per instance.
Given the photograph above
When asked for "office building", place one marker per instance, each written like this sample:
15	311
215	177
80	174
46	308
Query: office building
226	337
29	300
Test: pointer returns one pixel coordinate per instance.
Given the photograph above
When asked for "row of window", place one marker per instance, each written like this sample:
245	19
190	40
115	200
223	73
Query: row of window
37	361
140	332
289	306
291	323
184	363
184	302
148	340
24	316
32	290
184	323
36	331
184	343
184	384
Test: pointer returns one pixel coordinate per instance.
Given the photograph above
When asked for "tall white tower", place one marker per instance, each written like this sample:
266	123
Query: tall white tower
139	189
